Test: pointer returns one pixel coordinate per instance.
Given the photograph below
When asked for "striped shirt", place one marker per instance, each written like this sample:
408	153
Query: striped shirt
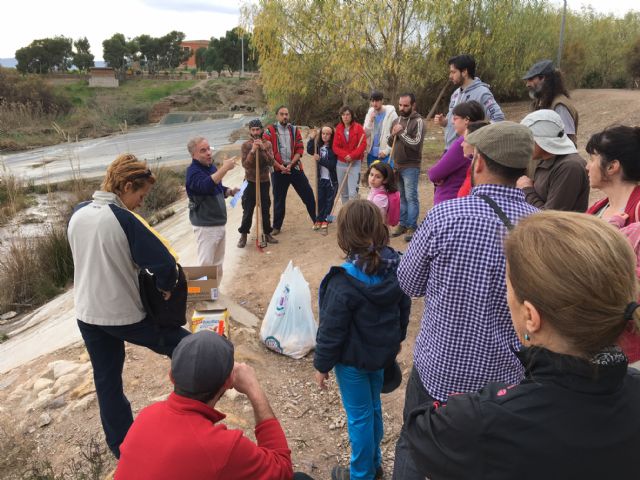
456	260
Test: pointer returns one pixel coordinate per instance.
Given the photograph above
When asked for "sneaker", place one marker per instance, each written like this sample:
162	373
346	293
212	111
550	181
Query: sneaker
269	238
243	240
409	234
400	229
324	228
275	231
340	473
316	226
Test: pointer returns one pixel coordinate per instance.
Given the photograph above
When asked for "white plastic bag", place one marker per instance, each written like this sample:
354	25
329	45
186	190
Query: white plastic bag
289	326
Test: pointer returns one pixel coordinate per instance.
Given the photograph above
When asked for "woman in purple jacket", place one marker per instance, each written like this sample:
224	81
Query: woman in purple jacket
449	172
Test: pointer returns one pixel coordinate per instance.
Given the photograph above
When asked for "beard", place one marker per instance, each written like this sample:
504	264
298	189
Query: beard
405	114
535	91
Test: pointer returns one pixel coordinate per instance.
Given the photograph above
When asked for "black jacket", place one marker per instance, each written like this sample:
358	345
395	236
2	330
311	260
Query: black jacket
568	419
361	325
329	162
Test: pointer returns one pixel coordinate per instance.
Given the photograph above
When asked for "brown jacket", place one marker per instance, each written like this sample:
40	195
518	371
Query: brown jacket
560	183
265	155
407	152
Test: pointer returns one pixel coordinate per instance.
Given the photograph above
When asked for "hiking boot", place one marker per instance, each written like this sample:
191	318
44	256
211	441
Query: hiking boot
243	240
269	238
409	234
316	226
324	228
275	231
400	229
340	473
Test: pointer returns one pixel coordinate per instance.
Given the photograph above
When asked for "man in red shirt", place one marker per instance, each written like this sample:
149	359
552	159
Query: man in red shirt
181	437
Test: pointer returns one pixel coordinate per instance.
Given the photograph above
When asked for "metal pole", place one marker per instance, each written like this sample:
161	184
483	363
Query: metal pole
564	18
242	59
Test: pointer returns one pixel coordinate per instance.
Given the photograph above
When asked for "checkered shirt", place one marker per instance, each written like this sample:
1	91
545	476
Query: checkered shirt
456	260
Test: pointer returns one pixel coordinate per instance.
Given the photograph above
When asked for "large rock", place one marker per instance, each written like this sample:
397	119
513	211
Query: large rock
64	383
83	389
42	383
63	367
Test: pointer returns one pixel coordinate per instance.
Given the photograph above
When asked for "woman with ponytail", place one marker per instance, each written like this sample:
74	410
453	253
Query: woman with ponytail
614	168
363	319
571	291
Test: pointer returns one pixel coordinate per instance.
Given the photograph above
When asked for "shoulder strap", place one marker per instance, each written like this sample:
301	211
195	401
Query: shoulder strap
496	208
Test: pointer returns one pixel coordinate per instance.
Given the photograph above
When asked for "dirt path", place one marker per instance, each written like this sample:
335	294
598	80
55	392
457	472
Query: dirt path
313	421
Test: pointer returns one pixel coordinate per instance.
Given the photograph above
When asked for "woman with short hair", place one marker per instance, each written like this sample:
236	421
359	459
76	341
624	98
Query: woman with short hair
110	245
571	290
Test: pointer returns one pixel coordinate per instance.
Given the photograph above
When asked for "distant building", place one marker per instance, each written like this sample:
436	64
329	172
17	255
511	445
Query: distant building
103	77
192	47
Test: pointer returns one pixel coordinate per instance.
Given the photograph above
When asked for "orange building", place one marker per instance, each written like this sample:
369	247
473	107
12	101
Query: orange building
192	46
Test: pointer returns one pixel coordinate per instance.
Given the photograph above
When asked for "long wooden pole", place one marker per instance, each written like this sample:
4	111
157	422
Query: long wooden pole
435	104
259	242
346	175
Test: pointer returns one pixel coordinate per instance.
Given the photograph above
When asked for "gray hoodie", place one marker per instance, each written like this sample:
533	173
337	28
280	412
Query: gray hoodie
478	91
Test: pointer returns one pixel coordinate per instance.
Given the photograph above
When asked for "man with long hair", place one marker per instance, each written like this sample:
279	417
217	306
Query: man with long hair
547	91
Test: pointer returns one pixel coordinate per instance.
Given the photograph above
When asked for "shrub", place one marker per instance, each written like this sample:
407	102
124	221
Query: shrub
165	191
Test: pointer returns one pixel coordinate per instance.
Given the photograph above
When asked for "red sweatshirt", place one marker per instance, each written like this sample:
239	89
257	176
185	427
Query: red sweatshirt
356	145
180	438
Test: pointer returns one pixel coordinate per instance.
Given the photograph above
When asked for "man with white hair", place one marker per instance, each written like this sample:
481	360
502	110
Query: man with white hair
560	180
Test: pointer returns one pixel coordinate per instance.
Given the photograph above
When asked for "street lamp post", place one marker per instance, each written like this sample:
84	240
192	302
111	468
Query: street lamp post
242	55
564	18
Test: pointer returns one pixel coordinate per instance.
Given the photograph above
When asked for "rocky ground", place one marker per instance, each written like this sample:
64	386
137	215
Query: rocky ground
49	404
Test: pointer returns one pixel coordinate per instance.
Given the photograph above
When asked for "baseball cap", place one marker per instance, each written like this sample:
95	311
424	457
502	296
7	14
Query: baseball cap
202	362
507	143
548	132
543	67
376	95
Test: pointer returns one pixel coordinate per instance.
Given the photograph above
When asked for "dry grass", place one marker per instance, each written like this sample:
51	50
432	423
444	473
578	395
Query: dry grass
167	189
13	197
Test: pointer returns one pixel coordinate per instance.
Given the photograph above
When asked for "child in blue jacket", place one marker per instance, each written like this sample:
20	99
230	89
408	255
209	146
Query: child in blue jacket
321	148
363	319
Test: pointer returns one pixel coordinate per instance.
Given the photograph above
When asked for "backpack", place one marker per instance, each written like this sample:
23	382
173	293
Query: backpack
393	209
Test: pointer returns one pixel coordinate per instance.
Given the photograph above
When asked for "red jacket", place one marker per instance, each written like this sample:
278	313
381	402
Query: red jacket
356	145
630	209
270	134
180	438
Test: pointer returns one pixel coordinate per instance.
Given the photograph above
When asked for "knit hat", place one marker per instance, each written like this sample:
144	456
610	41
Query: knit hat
202	362
507	143
544	67
548	132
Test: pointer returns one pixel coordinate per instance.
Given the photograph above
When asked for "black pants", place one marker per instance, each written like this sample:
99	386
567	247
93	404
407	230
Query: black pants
326	195
249	204
105	345
404	468
300	183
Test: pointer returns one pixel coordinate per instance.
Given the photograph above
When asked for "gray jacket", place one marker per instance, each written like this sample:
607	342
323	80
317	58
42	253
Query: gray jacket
478	91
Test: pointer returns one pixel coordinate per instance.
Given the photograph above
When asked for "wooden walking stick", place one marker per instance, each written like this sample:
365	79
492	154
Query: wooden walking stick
435	104
315	149
261	241
331	217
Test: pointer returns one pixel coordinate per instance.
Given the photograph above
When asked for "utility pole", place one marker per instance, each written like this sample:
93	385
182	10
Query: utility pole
242	55
564	18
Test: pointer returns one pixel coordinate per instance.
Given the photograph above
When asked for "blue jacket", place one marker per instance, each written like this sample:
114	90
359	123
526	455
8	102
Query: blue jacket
206	198
329	162
362	320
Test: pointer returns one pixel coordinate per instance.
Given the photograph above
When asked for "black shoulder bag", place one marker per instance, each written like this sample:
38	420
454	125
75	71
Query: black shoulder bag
164	313
496	208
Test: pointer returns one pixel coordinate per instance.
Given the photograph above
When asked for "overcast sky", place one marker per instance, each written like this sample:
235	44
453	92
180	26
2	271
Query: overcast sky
26	20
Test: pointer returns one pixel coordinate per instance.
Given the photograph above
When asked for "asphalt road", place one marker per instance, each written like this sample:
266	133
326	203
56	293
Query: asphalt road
160	145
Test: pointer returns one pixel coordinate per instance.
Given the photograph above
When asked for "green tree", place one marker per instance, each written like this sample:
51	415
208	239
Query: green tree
171	52
201	58
45	55
82	57
213	59
149	48
118	52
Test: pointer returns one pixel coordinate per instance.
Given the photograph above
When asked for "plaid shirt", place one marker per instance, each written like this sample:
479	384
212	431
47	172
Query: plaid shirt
457	262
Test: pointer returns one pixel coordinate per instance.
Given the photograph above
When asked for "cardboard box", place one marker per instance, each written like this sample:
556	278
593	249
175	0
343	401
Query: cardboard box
216	320
202	282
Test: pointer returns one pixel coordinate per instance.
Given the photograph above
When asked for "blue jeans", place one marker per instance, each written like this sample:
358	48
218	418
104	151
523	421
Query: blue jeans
350	186
408	187
106	351
360	391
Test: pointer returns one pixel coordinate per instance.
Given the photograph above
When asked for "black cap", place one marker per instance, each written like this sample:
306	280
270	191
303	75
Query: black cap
202	362
543	67
255	123
376	95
